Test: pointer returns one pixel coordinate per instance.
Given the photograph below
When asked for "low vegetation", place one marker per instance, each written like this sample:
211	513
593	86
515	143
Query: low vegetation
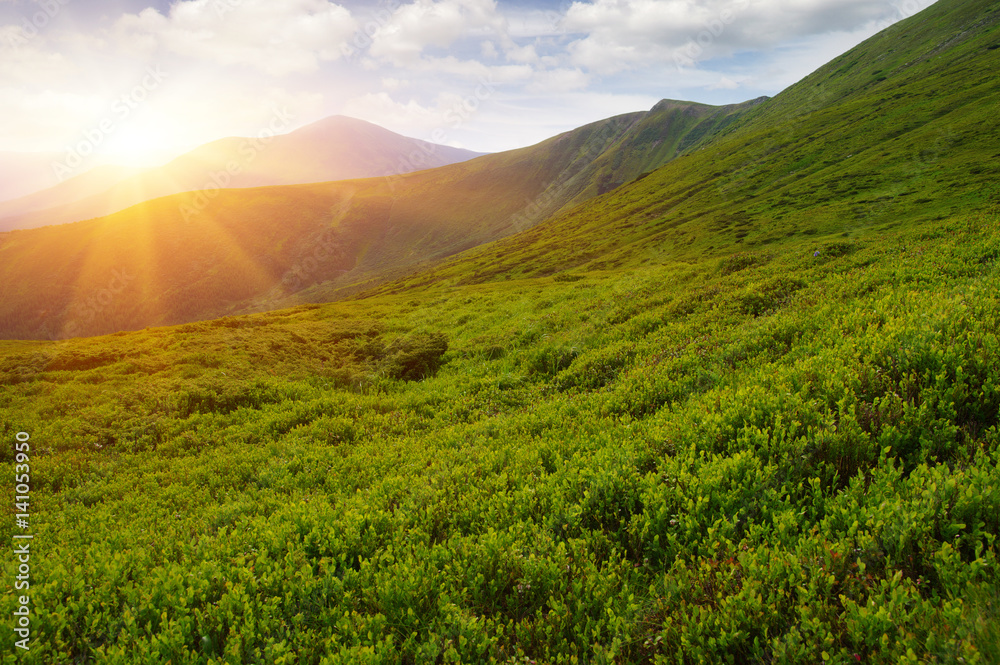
737	468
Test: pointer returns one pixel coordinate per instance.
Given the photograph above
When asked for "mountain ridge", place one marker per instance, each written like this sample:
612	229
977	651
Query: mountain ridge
807	163
334	148
363	229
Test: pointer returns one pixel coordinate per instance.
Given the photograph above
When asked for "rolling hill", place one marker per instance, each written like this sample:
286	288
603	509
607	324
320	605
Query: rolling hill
256	248
650	429
336	148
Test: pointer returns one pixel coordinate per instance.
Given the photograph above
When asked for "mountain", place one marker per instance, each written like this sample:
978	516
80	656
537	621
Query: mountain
897	131
866	140
98	179
336	148
256	248
25	172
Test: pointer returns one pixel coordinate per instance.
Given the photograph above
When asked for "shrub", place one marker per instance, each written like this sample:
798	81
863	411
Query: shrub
415	356
738	262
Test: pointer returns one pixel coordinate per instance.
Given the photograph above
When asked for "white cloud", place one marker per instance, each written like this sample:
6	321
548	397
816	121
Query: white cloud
470	71
43	120
521	53
620	34
724	83
420	70
416	26
277	38
391	84
26	61
534	23
382	109
558	81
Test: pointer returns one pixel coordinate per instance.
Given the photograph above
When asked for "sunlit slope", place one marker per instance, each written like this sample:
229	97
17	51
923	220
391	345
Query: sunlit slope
152	265
336	148
97	179
773	458
860	145
203	255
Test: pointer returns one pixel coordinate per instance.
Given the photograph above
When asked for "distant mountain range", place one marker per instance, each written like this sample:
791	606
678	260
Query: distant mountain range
336	148
201	255
22	173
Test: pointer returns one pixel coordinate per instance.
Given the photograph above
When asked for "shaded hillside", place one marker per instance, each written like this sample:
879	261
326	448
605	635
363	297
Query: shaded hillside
337	148
669	129
257	248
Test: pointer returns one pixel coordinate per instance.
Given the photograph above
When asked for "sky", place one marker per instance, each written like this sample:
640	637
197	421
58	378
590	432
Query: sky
142	81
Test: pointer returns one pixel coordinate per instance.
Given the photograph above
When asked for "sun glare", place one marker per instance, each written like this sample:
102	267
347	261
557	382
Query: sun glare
137	147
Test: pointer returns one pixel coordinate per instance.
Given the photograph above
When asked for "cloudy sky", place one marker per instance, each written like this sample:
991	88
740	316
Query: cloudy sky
145	80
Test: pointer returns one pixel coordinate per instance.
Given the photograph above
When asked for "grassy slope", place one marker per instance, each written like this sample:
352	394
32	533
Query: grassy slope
727	449
668	130
748	464
201	255
828	155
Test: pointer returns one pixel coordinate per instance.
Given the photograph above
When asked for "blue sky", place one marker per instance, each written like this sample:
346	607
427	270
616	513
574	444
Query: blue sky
141	81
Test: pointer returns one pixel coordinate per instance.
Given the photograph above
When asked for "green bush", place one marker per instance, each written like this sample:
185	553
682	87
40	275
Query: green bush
415	356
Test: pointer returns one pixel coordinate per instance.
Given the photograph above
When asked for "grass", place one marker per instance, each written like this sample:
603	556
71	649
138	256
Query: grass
600	469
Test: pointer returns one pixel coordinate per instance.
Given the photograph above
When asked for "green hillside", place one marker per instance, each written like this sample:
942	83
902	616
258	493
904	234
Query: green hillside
910	143
743	409
668	130
202	255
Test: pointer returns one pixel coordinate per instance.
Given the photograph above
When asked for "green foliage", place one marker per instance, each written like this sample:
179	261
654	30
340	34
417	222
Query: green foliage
416	356
641	476
737	262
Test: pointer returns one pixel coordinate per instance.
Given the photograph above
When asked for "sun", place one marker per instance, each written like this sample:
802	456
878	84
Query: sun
143	144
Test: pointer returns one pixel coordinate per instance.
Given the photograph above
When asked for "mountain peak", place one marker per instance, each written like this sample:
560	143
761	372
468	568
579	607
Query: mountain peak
338	147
